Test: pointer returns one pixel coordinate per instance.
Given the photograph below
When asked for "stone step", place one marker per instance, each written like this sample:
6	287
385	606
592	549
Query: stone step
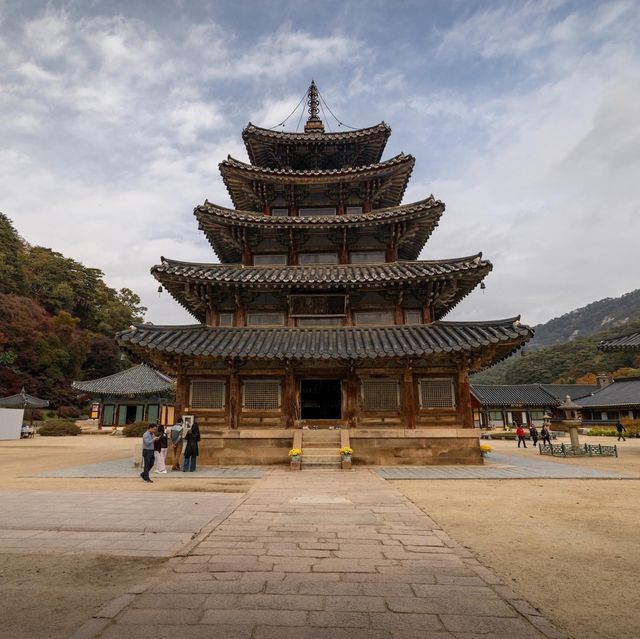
306	465
314	440
328	457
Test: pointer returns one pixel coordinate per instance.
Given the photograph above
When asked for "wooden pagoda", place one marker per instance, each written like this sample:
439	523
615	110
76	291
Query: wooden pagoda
319	314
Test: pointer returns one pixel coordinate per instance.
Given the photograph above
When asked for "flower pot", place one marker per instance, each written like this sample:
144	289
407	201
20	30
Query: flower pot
346	458
295	458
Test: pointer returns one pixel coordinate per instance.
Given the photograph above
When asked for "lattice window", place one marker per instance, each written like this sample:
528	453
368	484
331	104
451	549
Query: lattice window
279	212
317	258
319	321
225	319
437	393
380	394
306	212
208	393
265	319
354	210
373	318
413	316
261	394
367	257
270	258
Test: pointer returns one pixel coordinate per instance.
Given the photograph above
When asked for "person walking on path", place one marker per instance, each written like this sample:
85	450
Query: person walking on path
148	452
176	443
160	448
533	433
545	435
521	436
191	449
621	429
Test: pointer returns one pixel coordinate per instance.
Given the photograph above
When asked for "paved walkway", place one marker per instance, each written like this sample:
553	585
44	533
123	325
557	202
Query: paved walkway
323	555
500	466
119	468
116	523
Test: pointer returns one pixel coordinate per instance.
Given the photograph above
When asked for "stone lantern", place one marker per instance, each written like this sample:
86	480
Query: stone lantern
571	420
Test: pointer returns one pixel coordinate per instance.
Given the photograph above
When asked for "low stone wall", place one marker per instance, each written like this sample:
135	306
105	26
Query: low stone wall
419	447
246	446
372	446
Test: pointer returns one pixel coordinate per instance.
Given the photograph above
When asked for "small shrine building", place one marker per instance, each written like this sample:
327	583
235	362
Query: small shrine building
319	313
137	394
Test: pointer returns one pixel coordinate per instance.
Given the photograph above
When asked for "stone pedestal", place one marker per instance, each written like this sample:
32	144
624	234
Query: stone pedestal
346	463
295	465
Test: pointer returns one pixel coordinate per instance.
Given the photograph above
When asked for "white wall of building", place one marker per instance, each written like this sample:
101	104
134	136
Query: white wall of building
11	422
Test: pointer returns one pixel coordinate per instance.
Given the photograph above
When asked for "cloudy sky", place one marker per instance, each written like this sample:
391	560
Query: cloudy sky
524	118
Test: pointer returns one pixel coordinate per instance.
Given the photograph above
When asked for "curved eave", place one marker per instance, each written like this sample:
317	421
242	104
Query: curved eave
187	282
224	227
482	344
625	343
238	175
263	144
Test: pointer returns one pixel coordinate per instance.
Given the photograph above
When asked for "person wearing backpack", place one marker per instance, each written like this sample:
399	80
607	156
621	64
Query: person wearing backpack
175	434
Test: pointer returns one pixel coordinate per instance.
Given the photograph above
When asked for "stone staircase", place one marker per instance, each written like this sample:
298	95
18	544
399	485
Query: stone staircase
320	449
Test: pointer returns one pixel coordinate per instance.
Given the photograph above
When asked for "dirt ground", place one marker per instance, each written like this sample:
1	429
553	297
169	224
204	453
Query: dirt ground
569	546
50	595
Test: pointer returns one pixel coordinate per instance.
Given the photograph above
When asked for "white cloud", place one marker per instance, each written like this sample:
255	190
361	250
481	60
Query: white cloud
113	127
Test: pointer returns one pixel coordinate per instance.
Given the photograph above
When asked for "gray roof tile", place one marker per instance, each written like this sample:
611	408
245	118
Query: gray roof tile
623	392
629	342
342	343
138	380
513	394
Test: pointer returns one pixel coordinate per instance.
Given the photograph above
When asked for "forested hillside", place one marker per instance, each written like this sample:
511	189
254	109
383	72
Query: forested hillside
582	322
57	320
576	361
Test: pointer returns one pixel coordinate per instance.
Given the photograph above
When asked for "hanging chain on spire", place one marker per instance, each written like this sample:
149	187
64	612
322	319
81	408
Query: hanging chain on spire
314	123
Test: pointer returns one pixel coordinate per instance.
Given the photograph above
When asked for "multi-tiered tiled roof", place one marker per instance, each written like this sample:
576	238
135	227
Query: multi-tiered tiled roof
313	194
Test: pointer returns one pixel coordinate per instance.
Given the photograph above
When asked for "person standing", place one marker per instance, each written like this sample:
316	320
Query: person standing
191	449
521	436
545	435
161	444
621	429
148	452
533	433
176	443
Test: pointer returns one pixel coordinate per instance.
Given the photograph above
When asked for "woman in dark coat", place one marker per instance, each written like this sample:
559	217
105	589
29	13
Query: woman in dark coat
191	449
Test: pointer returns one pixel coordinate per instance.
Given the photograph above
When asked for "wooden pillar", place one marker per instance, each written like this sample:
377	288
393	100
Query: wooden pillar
398	314
211	316
352	408
234	398
408	398
289	411
427	314
247	256
465	410
182	394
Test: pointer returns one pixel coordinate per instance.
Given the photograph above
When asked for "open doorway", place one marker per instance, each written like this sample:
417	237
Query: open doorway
320	399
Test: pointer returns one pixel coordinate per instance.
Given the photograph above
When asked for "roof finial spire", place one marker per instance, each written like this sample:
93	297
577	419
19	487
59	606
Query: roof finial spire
314	123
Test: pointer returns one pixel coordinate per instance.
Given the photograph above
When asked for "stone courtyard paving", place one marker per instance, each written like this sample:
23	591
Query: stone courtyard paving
139	524
321	554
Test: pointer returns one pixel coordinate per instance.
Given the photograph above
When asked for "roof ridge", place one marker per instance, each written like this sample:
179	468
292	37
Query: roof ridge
454	260
396	159
259	214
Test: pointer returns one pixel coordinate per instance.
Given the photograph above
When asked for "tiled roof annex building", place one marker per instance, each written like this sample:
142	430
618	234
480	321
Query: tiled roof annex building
319	313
